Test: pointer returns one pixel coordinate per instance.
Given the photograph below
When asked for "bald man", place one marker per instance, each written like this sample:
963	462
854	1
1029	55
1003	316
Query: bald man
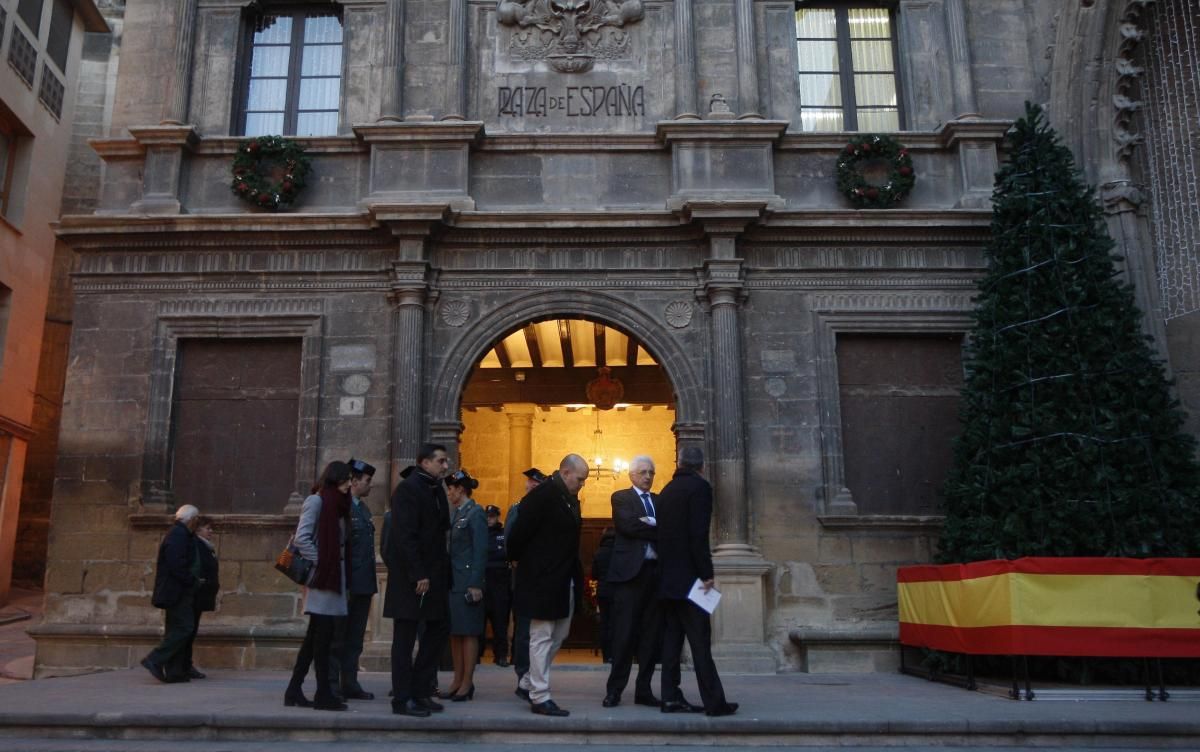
544	541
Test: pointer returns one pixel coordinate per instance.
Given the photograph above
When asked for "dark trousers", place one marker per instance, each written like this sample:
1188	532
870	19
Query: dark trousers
636	630
683	618
349	632
414	678
520	643
605	604
179	629
497	602
315	652
187	651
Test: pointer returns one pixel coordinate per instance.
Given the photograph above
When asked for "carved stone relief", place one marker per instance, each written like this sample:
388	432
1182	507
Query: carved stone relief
569	35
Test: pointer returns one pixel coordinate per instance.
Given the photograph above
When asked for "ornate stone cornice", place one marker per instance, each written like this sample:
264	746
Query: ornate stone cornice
241	307
672	131
421	132
957	302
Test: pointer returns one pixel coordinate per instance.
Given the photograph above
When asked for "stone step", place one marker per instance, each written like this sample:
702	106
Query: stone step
238	710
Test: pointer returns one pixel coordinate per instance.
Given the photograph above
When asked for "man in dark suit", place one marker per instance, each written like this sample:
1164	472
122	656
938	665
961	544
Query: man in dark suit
520	640
418	588
176	576
633	576
544	541
684	514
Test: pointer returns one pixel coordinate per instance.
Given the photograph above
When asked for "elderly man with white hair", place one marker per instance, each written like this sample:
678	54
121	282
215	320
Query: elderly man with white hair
175	580
633	577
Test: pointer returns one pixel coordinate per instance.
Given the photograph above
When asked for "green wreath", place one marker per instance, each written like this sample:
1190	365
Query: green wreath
886	160
269	171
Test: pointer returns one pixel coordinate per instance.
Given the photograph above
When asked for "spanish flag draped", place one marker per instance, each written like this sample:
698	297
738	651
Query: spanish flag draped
1099	607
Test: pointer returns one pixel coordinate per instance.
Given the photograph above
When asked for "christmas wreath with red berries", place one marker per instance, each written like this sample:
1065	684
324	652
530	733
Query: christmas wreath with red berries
875	172
269	171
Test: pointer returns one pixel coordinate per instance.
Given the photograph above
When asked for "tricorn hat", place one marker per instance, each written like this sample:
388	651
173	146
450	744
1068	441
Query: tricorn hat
535	474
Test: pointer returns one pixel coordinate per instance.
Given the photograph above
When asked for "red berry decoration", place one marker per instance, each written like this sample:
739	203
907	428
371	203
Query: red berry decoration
269	171
864	155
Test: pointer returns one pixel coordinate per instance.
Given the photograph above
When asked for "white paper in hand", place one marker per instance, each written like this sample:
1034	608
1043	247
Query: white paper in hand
707	601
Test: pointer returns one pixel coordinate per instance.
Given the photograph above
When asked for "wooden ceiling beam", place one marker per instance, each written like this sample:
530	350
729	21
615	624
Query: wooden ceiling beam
502	355
531	341
564	336
601	353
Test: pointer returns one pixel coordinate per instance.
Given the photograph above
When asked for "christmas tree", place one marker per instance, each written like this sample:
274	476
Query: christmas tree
1071	443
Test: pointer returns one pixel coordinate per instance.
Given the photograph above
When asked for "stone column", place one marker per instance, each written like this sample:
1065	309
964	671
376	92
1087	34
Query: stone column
960	60
747	64
176	104
391	105
410	289
739	632
456	74
520	448
727	465
685	62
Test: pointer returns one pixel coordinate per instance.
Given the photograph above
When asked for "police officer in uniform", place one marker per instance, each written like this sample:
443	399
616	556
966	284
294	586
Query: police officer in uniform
497	589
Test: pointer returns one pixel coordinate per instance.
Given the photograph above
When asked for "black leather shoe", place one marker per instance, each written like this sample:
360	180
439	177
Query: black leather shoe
360	694
331	703
155	670
680	706
549	708
523	694
611	700
428	704
195	673
409	708
296	700
728	708
648	699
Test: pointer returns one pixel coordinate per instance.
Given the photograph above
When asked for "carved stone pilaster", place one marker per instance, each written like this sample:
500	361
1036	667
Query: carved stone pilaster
179	87
747	64
685	63
456	73
164	148
960	60
447	434
391	105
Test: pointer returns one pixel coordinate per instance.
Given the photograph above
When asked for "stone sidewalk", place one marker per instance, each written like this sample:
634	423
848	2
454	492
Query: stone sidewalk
23	610
861	710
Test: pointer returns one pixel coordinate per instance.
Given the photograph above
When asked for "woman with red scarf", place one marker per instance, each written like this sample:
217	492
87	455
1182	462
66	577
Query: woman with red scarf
321	538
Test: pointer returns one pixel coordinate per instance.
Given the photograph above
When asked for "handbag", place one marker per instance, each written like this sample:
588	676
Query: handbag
293	564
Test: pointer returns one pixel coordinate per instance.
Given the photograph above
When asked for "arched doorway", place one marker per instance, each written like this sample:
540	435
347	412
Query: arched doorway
566	385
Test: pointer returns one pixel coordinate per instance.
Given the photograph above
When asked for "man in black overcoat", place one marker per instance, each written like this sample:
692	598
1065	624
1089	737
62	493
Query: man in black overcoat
684	515
418	587
544	541
636	619
175	579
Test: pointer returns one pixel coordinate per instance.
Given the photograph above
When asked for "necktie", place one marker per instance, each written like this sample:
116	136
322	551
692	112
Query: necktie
649	505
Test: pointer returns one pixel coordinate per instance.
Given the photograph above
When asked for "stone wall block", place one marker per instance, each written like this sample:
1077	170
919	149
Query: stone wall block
866	607
876	549
64	576
834	549
114	576
837	578
259	608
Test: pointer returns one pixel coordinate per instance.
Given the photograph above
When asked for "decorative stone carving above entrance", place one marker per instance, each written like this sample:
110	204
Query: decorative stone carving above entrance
569	35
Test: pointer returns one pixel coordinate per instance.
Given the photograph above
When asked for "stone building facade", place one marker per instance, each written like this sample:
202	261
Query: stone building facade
645	165
41	42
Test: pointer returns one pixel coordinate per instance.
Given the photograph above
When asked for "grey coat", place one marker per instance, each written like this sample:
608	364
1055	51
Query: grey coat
468	547
326	602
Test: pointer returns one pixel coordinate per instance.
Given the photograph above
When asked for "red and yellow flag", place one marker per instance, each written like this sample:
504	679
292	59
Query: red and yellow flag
1128	608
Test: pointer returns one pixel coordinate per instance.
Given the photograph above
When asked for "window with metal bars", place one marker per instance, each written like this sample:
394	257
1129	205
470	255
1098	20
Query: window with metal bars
292	74
847	78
